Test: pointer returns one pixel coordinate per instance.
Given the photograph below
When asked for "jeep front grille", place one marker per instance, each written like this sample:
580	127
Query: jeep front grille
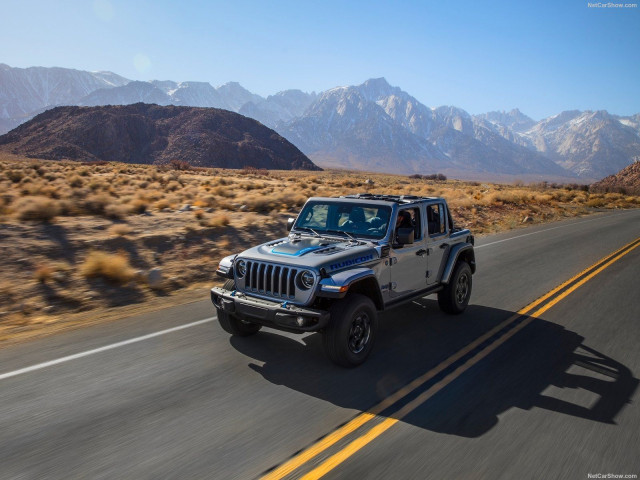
272	280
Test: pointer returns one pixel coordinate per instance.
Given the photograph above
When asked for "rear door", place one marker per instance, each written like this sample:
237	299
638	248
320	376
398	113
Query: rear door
437	240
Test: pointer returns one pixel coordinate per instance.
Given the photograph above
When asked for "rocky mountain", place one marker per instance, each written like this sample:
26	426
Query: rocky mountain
132	92
279	108
514	120
144	133
343	129
590	144
24	91
372	126
626	181
375	126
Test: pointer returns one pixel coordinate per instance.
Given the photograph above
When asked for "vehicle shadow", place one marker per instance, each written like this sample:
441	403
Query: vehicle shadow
415	338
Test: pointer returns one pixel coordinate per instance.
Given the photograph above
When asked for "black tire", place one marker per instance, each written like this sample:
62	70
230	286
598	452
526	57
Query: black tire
455	296
349	337
232	324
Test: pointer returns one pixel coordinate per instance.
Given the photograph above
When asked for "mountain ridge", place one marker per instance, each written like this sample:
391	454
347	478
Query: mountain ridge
389	131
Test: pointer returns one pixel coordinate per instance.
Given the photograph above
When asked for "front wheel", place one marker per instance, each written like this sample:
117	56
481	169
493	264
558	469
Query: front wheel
232	324
348	339
455	296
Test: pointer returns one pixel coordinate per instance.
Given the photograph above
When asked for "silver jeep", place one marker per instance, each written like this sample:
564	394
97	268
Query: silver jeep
346	259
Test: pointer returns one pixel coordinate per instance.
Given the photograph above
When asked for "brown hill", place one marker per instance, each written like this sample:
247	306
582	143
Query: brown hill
143	133
626	181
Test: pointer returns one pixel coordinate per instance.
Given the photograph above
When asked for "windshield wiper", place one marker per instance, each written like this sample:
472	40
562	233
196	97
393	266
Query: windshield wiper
351	237
308	229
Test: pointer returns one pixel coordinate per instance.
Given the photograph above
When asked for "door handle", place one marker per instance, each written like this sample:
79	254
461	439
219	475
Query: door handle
444	245
421	252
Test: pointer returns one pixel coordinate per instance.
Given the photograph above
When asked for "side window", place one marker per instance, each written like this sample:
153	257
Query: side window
410	218
436	219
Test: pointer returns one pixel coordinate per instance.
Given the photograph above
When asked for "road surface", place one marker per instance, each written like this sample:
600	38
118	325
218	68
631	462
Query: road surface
517	387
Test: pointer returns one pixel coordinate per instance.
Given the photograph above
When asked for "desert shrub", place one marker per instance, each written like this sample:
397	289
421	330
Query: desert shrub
172	186
596	202
76	181
162	204
179	165
223	192
219	220
96	203
36	208
138	205
120	230
114	267
249	170
14	175
116	211
265	204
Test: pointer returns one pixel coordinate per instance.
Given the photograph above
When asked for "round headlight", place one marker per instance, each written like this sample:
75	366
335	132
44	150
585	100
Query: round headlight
306	279
241	268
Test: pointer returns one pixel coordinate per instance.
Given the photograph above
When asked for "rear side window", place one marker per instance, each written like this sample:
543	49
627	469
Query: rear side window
436	219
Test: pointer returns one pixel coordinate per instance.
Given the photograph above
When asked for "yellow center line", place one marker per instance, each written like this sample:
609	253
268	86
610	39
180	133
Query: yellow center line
379	429
361	419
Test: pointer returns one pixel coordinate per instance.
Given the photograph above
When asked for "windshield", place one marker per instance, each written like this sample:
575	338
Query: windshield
346	219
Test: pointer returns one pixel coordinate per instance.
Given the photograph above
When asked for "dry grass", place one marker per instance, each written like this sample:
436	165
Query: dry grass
36	208
114	267
220	220
44	273
61	218
120	229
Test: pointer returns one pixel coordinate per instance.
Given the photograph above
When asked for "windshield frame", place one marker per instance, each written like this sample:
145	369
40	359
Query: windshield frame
335	230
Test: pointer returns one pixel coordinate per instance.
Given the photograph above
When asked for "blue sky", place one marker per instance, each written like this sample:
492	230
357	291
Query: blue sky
542	57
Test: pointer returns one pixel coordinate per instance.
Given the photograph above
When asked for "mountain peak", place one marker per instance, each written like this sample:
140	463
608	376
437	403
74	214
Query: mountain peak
375	89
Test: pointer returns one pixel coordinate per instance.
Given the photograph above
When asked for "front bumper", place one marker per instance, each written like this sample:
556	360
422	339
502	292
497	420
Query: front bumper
278	315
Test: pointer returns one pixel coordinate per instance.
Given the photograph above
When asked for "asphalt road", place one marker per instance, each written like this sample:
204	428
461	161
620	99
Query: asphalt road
551	393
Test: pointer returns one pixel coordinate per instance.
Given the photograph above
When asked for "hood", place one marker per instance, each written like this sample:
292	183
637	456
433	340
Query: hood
314	252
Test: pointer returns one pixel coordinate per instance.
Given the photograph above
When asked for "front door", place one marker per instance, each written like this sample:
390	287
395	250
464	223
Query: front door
409	262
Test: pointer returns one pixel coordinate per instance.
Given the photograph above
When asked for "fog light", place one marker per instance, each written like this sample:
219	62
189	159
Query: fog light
300	320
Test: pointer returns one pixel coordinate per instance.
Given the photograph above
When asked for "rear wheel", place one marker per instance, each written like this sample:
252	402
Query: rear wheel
348	339
455	296
232	324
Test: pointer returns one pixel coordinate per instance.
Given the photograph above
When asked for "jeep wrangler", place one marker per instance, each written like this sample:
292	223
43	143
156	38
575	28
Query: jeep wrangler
345	260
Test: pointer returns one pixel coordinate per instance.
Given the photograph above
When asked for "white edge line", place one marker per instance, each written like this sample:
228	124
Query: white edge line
546	230
75	356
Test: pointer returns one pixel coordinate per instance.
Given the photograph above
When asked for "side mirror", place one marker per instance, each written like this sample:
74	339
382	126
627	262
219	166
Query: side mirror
406	236
290	223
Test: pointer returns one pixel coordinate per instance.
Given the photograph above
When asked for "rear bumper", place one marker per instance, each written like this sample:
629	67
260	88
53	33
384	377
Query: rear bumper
278	315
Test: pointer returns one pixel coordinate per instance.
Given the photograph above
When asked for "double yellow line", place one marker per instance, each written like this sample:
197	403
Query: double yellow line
530	312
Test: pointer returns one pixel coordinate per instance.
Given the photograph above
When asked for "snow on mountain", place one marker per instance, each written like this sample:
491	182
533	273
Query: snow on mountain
24	91
343	128
197	94
590	144
374	126
514	120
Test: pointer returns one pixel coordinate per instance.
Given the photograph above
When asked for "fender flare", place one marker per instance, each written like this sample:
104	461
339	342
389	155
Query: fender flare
337	285
457	251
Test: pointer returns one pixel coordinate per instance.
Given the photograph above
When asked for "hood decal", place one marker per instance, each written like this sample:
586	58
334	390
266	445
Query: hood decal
349	262
292	250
